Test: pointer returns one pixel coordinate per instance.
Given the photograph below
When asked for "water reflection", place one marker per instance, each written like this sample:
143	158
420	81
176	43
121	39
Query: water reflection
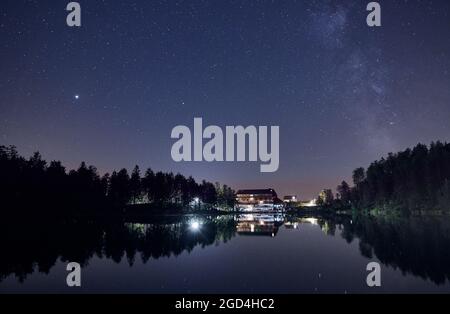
416	246
259	224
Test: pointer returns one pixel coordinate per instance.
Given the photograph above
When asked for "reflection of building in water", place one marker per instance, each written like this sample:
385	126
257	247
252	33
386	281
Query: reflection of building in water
295	224
258	200
311	220
291	225
259	224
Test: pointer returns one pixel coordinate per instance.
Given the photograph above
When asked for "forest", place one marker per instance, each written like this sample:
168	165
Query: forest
30	185
411	180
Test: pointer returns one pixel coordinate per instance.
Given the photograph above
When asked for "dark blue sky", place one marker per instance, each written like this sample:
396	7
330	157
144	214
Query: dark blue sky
342	93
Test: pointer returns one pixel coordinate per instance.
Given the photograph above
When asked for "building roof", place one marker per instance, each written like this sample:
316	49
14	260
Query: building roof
257	192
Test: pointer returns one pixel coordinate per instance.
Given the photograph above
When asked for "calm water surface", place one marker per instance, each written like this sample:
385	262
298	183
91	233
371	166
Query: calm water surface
228	254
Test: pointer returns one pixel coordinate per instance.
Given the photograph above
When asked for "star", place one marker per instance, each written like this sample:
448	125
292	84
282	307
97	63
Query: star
77	97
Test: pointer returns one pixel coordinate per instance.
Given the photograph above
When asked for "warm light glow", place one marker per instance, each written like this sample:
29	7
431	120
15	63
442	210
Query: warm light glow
312	203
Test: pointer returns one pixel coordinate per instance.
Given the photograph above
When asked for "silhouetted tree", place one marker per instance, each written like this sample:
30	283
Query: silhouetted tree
208	193
359	175
225	196
344	192
135	185
119	187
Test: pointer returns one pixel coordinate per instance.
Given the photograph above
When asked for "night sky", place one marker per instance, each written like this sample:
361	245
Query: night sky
110	92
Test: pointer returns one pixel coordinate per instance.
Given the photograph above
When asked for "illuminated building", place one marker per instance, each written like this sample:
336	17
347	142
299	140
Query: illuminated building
258	200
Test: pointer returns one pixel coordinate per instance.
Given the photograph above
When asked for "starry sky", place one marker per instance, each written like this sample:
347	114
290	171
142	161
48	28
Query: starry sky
110	92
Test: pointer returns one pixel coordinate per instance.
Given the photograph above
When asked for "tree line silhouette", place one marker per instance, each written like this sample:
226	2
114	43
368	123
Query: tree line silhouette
414	179
29	183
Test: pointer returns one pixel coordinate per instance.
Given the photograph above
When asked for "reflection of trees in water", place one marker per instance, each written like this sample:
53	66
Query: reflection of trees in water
418	246
415	245
38	246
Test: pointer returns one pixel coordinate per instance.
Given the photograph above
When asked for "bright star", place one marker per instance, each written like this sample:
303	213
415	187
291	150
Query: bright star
77	96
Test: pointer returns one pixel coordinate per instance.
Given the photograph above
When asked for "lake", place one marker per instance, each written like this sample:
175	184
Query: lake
227	254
